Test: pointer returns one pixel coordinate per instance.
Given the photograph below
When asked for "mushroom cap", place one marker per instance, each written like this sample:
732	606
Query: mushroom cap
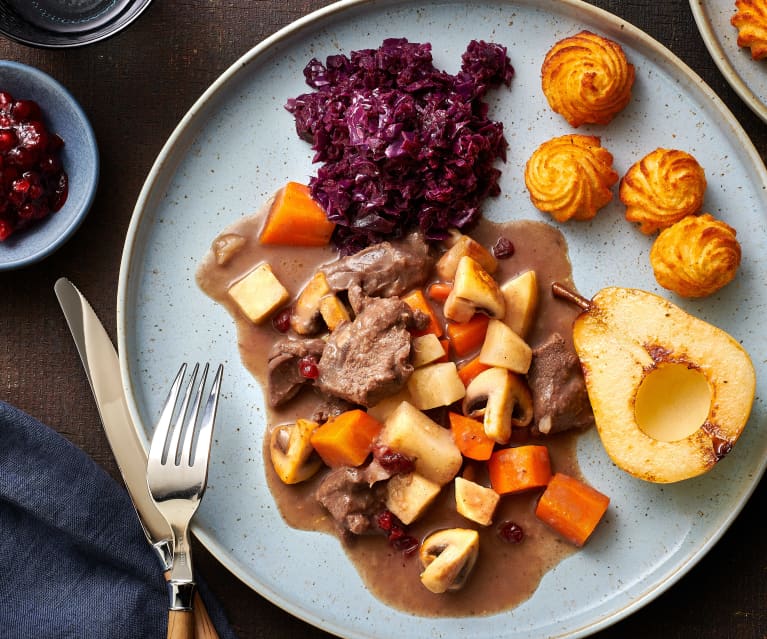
448	557
474	290
502	399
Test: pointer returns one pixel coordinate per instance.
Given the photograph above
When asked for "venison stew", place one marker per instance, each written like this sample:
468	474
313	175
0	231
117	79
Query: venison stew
365	369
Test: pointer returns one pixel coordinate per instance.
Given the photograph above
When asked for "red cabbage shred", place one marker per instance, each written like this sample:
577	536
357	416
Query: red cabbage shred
402	144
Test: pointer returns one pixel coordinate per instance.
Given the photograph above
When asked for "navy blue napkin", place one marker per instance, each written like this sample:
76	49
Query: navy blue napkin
74	562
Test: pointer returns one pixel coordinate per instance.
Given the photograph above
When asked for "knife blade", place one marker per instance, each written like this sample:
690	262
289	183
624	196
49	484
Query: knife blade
102	368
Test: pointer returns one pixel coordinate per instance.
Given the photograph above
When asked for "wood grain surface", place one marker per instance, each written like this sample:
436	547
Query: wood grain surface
135	87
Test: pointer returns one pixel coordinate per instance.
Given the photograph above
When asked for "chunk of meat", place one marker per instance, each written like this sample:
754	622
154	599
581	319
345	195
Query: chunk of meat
560	401
353	497
329	408
368	359
385	269
284	378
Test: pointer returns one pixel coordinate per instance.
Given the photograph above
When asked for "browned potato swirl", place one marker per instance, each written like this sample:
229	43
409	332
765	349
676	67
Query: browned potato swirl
751	22
570	177
662	188
696	256
587	79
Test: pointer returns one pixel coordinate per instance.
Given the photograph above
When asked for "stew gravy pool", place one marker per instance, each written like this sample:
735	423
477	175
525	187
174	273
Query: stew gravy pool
506	574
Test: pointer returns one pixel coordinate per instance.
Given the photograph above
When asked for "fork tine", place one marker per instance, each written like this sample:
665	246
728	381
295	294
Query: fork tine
185	456
205	431
182	424
160	437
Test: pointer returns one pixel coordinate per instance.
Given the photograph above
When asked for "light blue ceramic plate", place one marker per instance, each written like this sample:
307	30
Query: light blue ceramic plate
237	145
80	156
746	76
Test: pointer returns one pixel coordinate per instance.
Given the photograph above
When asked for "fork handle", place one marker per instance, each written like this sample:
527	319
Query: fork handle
180	624
203	625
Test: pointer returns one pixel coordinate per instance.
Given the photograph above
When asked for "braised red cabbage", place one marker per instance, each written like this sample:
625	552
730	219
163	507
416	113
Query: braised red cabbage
401	143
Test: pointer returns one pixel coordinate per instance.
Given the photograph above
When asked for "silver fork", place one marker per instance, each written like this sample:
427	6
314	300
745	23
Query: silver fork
177	472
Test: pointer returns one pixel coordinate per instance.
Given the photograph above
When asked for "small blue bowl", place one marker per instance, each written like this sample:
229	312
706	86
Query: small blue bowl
80	157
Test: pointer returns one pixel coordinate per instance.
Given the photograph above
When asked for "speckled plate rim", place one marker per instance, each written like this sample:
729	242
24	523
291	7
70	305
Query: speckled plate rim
727	56
153	190
82	187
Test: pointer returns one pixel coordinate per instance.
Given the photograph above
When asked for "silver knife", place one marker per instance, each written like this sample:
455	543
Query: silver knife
102	368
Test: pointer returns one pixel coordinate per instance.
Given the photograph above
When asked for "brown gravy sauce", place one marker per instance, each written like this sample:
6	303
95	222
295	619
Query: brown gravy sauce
505	574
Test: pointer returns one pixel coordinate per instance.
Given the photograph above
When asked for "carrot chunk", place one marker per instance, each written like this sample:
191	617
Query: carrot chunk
571	507
346	440
296	219
469	370
514	470
439	291
469	436
446	347
467	336
418	302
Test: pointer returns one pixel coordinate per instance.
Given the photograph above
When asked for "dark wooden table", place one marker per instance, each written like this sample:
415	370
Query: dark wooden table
136	87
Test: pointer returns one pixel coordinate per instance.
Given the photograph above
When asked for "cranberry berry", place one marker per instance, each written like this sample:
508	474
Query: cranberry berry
281	321
396	533
511	532
392	461
33	183
503	249
308	368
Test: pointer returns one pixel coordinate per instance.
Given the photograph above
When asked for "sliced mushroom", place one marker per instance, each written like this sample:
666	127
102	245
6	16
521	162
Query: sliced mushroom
333	311
226	246
291	451
305	318
474	290
448	557
522	402
502	399
461	245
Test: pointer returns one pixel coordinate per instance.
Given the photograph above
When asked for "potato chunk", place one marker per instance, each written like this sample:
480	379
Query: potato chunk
475	502
435	385
408	496
426	349
259	293
521	296
504	348
408	431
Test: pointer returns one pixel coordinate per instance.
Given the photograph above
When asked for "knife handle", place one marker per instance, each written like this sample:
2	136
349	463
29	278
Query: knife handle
203	626
180	624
